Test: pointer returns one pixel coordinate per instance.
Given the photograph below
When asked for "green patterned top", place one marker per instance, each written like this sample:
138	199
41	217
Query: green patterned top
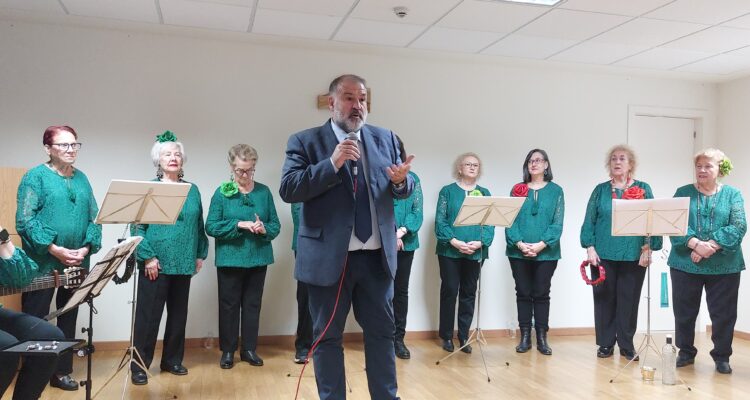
237	247
408	213
18	270
176	246
721	218
597	226
296	207
449	203
540	219
53	209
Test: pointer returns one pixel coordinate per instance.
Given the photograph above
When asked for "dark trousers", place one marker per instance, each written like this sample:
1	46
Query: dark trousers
721	298
533	281
616	303
172	290
401	292
304	339
37	370
37	304
458	277
240	296
368	288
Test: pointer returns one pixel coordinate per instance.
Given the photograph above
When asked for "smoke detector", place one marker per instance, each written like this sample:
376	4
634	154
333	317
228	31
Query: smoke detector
401	11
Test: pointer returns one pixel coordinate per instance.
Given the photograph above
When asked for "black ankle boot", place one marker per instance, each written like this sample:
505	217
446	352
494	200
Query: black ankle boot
541	342
525	343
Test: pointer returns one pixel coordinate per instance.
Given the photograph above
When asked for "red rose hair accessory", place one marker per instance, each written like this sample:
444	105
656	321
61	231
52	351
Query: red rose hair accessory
634	193
520	190
600	279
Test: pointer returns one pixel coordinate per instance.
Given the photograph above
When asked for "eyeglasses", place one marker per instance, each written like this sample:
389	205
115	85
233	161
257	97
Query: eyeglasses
536	161
471	165
66	146
240	171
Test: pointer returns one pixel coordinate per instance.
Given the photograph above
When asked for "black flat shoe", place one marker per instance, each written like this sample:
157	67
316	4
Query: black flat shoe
401	351
448	345
723	367
64	382
466	348
605	352
139	378
251	357
174	369
629	354
683	361
300	356
227	360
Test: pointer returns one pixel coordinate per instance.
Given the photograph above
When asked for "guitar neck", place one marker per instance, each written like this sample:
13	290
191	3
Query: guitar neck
43	282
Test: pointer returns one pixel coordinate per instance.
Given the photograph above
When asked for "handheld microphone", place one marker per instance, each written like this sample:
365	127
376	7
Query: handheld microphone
352	163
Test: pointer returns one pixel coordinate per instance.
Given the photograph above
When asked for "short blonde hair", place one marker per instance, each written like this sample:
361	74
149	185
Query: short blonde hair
159	146
460	160
712	154
628	151
242	151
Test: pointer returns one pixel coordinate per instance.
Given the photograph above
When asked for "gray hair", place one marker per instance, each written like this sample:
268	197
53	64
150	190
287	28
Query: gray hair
628	152
334	86
242	151
159	146
460	160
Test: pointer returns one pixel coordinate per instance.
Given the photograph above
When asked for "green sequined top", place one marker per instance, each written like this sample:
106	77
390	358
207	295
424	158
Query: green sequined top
721	218
237	247
296	207
597	226
449	203
176	246
540	219
408	213
18	270
53	209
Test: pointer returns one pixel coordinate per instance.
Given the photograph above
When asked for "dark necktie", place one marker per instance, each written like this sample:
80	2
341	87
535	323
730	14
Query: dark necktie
362	219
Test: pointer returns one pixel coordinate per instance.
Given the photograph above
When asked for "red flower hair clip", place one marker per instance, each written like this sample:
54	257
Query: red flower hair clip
599	280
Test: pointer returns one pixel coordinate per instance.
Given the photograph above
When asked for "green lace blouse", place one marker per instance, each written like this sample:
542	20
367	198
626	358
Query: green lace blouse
408	213
449	203
540	219
18	270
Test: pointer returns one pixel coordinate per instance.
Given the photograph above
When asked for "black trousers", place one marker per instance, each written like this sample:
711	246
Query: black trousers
401	292
721	298
616	303
304	339
172	290
459	277
533	281
37	370
240	296
37	304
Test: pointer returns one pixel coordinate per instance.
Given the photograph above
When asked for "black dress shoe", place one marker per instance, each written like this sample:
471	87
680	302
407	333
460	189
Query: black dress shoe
178	369
139	378
300	356
227	360
605	352
466	348
251	357
448	345
629	354
683	361
65	382
401	351
723	367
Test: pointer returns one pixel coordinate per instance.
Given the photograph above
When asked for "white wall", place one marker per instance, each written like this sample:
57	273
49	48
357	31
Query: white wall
119	88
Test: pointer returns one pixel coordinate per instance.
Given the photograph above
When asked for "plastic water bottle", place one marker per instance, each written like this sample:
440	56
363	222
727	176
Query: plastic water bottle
669	369
208	341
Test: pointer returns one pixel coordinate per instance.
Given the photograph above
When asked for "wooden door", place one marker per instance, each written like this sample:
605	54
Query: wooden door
9	180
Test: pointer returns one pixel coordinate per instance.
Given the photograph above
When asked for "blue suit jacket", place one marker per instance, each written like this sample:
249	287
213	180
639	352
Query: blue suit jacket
327	215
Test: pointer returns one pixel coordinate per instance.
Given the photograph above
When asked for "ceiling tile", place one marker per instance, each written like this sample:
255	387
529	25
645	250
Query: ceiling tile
722	64
517	45
376	32
648	32
285	23
631	8
49	6
713	40
131	10
487	16
572	25
421	12
241	3
205	15
702	11
661	58
741	22
592	52
455	40
322	7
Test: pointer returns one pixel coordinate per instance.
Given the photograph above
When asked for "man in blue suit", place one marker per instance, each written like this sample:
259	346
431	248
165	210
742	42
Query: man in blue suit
346	174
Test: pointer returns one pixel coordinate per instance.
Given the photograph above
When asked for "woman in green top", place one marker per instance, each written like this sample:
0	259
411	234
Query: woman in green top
168	257
461	250
55	219
709	257
408	214
624	258
243	219
533	247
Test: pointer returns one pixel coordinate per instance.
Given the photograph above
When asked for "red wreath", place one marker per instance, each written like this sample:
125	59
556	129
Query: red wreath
520	190
599	280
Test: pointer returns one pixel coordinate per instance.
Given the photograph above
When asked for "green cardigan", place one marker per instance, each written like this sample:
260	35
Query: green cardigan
597	226
727	228
176	246
296	207
408	213
540	219
449	203
237	247
55	209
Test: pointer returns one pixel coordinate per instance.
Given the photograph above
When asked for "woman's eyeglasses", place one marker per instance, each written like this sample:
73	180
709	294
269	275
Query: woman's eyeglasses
66	146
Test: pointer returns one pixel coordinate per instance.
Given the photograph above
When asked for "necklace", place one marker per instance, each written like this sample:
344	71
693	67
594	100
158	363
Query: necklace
711	206
628	184
68	180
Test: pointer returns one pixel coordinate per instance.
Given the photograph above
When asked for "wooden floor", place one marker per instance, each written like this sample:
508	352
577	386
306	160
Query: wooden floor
572	372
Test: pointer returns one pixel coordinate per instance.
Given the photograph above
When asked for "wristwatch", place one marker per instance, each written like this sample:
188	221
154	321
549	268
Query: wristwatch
4	236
